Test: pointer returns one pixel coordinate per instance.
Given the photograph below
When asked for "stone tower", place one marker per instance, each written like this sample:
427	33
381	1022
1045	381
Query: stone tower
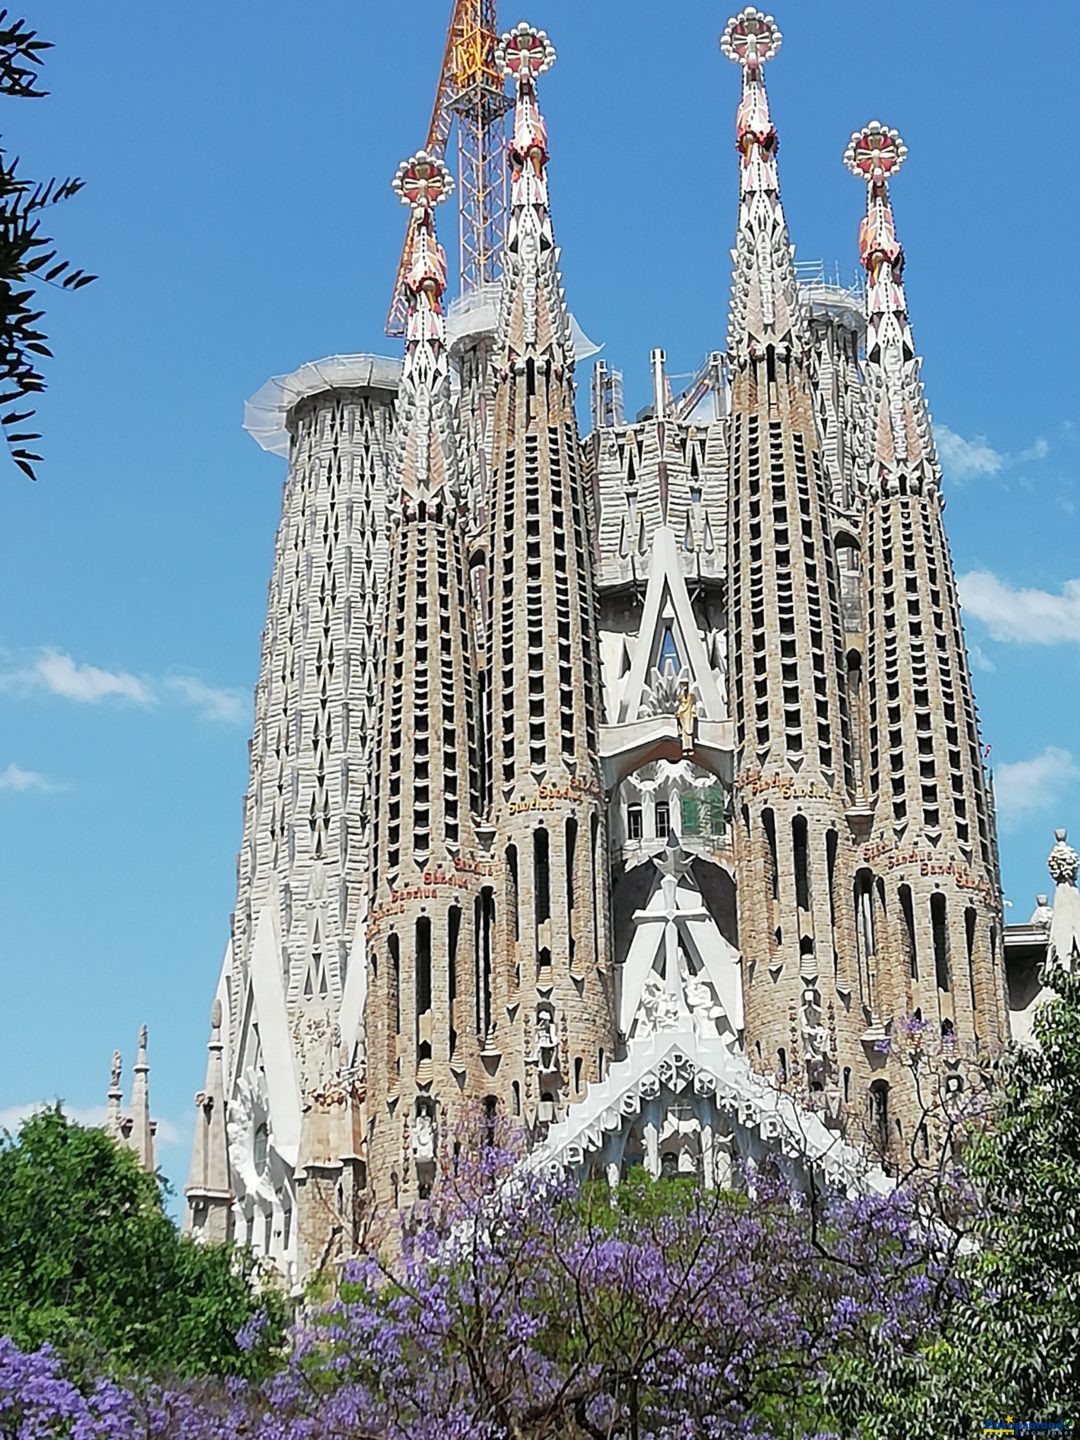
292	983
546	999
630	790
792	734
423	1039
926	891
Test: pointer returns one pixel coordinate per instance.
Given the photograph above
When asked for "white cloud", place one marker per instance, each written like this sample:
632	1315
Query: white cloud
213	702
18	779
89	1115
1026	616
56	672
964	460
1027	787
981	661
62	675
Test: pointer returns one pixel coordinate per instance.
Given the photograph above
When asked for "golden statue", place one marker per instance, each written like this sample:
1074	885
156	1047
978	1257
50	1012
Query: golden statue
685	713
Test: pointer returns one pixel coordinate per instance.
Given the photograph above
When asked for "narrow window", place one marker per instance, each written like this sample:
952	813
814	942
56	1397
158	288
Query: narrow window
772	876
878	1112
541	877
662	819
907	909
800	844
512	888
941	940
394	946
634	827
453	930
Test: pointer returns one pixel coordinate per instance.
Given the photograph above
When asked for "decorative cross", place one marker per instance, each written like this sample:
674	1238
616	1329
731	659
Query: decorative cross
673	863
875	152
422	182
525	53
750	38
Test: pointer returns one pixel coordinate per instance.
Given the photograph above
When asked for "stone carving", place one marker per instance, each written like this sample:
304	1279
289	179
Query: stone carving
117	1065
703	1005
317	1040
657	1011
815	1036
1062	861
1043	914
246	1112
423	1139
660	696
547	1039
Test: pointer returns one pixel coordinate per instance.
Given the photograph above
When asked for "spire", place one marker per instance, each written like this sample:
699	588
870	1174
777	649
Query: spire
427	460
766	310
899	443
207	1192
114	1119
533	319
141	1138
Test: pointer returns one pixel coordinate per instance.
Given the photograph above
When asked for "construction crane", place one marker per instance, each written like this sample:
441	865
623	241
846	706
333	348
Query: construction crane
470	91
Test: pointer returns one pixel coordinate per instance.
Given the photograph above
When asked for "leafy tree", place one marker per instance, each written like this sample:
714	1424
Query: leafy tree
91	1264
28	258
1007	1334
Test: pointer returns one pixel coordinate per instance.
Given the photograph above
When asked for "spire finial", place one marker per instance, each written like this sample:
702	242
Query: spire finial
874	155
427	463
900	452
533	314
750	38
1062	861
422	182
523	55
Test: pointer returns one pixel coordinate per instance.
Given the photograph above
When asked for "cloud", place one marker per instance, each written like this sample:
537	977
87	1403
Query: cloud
89	1115
1027	787
18	779
1025	616
213	702
62	675
964	460
981	661
57	673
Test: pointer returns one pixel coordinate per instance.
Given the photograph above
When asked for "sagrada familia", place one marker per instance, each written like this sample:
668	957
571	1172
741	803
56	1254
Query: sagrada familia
628	789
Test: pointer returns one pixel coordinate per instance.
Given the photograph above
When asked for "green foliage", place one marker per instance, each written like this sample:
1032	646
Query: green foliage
28	258
1008	1337
90	1262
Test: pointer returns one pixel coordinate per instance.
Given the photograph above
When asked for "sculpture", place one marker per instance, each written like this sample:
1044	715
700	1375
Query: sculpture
423	1139
1062	861
815	1036
547	1038
657	1010
685	713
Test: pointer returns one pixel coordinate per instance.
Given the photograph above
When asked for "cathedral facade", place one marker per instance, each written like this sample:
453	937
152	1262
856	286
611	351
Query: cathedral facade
628	788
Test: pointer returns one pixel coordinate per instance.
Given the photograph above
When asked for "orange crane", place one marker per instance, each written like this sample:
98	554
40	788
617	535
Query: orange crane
470	90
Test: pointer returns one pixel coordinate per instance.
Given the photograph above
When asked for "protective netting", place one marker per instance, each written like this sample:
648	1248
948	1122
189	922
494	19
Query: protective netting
265	413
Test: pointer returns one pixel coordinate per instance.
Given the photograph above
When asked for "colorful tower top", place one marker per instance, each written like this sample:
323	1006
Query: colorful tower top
766	310
534	319
427	456
900	453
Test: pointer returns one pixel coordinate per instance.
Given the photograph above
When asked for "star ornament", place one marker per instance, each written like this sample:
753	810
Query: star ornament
750	38
875	153
524	52
422	182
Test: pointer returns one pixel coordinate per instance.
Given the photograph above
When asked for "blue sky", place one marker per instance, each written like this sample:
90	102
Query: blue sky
239	212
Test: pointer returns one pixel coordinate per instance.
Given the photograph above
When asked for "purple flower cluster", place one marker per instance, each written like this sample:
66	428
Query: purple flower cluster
522	1306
